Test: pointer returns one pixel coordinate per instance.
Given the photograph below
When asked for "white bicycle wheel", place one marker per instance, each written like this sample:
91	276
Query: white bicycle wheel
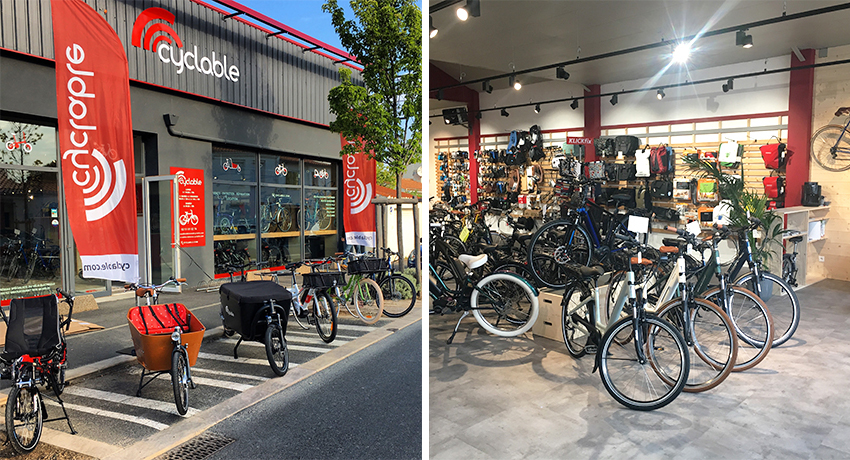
504	304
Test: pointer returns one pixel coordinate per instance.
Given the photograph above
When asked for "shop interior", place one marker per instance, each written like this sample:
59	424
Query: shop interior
688	114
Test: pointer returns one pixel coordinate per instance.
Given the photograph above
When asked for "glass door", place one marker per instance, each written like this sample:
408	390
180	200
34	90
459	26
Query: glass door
160	236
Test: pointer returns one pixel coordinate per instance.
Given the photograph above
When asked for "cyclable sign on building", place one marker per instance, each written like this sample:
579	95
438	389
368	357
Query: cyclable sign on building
190	200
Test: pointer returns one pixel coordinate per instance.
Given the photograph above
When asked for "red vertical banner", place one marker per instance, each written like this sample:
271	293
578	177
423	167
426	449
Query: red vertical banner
190	200
96	141
359	187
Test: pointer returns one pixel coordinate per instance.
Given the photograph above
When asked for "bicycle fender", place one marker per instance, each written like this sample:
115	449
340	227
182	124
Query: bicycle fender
533	289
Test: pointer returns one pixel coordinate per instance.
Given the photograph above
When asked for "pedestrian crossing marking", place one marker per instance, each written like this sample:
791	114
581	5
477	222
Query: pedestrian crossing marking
134	401
119	416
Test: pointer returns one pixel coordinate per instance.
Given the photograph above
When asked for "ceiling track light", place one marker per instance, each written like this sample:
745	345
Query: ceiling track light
514	82
561	73
439	95
728	86
505	113
537	108
574	104
487	87
614	100
743	39
472	8
434	30
478	115
660	94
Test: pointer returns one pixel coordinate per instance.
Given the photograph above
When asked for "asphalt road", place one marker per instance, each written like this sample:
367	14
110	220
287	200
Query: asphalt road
368	406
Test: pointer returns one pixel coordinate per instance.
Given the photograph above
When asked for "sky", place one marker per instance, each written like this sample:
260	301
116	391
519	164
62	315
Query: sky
303	15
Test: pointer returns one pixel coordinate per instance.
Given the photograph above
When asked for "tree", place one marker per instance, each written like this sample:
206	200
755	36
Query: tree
386	114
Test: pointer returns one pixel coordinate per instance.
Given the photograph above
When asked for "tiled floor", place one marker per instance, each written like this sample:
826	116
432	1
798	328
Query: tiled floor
525	397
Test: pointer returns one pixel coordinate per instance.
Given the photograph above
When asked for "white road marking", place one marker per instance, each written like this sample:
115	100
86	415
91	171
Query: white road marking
289	345
127	418
229	359
227	374
222	383
144	403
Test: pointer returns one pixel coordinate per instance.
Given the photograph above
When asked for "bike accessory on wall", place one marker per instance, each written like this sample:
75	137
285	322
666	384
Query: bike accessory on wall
642	168
662	189
514	178
626	145
730	154
774	186
774	155
536	144
597	169
668	214
661	160
706	215
683	188
626	172
812	194
605	146
707	190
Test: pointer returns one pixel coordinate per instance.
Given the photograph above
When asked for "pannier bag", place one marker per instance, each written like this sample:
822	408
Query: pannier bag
730	154
682	188
368	265
662	189
668	214
642	163
160	319
626	172
612	171
626	145
596	169
774	186
773	155
623	197
323	280
605	146
536	142
707	190
811	194
661	160
573	150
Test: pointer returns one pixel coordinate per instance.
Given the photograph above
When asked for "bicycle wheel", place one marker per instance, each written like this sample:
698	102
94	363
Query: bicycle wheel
276	350
713	344
29	269
563	242
13	266
456	245
399	295
24	418
828	151
180	380
325	316
368	301
781	301
504	305
576	320
225	226
637	385
752	320
445	274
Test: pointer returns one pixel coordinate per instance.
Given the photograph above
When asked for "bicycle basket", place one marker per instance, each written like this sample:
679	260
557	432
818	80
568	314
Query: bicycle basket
368	265
323	280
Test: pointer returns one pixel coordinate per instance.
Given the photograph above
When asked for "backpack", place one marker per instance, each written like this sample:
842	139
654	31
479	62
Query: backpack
536	143
773	155
642	163
612	171
730	154
626	145
661	160
774	186
626	172
605	146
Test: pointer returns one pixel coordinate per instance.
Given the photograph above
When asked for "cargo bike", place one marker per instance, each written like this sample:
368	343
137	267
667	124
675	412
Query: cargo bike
258	311
166	340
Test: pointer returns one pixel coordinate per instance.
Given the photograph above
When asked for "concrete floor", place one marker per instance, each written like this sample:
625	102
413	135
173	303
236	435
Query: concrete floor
525	397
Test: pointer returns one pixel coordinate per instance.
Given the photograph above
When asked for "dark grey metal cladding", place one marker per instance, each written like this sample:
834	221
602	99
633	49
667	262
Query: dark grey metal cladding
275	75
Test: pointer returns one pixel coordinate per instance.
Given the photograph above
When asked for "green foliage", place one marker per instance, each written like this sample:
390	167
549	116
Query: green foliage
386	114
386	177
742	201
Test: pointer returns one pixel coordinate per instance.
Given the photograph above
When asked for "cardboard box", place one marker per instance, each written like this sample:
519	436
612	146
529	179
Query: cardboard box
548	322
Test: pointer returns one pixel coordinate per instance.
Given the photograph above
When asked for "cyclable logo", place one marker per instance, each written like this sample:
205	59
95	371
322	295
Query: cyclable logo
164	41
183	180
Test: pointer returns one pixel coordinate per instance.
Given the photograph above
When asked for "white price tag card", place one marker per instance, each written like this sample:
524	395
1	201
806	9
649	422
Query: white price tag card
638	224
693	227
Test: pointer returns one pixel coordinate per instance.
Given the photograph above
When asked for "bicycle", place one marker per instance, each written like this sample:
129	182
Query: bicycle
362	291
789	263
503	303
314	294
229	164
15	143
35	355
652	351
189	217
398	291
165	342
276	214
830	145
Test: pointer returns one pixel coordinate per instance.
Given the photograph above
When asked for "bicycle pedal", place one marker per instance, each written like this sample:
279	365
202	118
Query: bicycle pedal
590	349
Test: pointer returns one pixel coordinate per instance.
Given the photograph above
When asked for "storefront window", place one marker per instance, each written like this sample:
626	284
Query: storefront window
280	170
320	223
319	174
281	232
234	166
24	144
234	225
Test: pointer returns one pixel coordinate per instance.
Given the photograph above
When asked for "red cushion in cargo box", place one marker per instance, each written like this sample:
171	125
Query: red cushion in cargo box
160	319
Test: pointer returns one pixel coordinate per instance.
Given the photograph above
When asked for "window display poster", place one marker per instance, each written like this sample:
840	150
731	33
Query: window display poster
190	200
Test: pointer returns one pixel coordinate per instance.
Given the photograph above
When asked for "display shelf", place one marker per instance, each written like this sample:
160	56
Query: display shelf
800	218
280	234
229	237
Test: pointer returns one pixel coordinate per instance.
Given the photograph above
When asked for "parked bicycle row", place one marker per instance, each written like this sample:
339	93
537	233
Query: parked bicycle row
26	256
659	301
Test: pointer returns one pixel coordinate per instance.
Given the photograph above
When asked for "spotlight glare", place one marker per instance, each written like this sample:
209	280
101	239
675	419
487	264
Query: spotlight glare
462	14
681	53
660	94
434	30
517	85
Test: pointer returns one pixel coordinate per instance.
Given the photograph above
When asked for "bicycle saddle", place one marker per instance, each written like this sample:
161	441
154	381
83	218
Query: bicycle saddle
587	272
473	261
796	239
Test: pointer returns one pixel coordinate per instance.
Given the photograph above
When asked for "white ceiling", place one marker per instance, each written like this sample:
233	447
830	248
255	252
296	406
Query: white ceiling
531	33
